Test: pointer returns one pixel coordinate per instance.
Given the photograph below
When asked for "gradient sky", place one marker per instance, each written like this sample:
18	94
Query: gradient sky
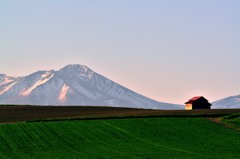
168	50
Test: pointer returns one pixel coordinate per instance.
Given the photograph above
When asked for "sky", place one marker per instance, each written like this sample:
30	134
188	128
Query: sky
168	50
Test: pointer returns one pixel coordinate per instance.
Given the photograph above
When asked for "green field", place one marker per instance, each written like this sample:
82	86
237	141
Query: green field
120	138
232	121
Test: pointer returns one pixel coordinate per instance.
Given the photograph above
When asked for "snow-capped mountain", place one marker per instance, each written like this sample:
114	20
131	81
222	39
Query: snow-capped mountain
72	85
229	102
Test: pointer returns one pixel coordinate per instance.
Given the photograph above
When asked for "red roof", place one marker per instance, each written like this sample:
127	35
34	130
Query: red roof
193	99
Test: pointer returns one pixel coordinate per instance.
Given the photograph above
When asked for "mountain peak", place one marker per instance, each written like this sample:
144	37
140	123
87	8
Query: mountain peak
77	70
73	67
73	84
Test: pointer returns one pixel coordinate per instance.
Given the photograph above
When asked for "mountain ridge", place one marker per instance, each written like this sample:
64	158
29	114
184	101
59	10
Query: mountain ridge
228	102
72	85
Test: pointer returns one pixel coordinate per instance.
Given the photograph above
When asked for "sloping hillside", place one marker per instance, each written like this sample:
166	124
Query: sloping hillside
227	103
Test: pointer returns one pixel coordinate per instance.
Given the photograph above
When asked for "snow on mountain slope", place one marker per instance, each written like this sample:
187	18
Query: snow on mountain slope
229	102
4	79
72	85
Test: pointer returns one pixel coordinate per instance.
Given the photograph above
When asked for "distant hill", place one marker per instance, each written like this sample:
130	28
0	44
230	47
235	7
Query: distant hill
72	85
229	102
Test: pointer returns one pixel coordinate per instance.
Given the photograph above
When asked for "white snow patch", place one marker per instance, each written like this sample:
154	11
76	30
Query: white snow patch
6	80
110	102
38	83
84	74
7	88
63	93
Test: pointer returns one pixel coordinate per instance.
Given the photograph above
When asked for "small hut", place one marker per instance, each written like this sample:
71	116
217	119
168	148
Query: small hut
198	102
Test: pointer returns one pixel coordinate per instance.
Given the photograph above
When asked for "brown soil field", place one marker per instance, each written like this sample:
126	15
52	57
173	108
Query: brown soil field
12	114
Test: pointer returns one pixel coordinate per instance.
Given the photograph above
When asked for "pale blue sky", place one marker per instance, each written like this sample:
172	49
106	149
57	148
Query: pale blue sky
168	50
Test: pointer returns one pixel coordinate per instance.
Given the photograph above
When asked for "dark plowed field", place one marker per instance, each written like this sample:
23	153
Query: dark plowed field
10	114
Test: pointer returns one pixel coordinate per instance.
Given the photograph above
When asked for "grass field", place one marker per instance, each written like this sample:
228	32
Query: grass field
165	137
232	121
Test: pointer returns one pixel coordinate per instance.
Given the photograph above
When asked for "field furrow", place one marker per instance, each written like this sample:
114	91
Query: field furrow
119	138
